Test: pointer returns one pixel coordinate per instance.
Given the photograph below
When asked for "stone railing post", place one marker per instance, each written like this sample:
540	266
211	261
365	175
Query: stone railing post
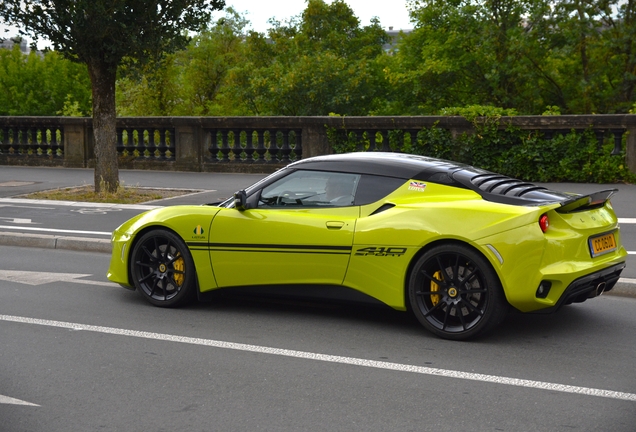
76	152
630	149
190	147
315	142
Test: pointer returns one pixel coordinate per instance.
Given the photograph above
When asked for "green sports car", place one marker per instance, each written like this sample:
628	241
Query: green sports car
455	244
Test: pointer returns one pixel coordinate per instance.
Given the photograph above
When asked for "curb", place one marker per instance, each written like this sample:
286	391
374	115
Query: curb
80	244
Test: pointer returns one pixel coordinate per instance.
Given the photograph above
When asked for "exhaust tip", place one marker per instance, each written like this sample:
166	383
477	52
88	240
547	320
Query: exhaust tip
600	288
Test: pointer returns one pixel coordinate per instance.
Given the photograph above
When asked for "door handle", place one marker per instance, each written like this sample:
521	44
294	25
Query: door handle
334	225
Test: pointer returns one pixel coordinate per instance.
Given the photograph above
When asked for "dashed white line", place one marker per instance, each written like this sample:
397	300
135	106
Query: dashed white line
331	358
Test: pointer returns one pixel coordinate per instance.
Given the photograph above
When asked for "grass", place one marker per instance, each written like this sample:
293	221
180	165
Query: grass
123	195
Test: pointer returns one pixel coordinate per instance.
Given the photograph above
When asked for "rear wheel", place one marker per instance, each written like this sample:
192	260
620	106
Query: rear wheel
454	292
162	269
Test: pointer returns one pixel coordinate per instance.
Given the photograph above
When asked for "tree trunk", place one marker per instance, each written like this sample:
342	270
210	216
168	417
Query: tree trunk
103	78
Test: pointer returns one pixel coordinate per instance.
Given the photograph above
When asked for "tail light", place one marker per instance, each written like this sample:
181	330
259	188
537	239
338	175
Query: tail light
544	222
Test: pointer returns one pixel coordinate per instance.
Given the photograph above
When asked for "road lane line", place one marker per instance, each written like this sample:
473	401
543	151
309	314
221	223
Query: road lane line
54	230
29	207
331	358
17	220
13	401
627	220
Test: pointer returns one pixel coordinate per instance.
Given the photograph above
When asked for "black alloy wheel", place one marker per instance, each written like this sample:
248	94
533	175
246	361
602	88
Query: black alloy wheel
454	292
162	268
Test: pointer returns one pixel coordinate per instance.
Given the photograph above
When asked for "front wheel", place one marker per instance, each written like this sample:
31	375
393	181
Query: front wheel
454	292
162	268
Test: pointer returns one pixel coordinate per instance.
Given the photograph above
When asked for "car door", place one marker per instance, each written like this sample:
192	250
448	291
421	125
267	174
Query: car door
300	231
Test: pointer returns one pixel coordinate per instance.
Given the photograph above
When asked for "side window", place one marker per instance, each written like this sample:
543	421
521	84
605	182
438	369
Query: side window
311	189
372	188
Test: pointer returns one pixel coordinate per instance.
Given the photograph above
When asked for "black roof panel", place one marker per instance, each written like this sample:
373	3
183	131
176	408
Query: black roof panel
491	186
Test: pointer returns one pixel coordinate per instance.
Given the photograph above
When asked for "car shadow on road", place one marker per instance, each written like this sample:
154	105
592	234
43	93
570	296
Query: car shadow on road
352	309
565	323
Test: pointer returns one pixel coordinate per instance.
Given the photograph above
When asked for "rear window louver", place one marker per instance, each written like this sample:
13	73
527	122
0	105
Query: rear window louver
507	190
502	185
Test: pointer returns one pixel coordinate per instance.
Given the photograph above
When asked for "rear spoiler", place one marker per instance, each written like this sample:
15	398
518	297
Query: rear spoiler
586	202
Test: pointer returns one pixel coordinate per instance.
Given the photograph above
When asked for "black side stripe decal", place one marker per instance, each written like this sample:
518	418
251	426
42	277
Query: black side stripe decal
245	247
294	251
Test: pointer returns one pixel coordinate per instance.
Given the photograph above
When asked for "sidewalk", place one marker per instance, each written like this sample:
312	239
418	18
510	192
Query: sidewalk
204	188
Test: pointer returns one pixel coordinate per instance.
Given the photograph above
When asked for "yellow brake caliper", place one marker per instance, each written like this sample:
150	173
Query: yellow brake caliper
179	266
435	288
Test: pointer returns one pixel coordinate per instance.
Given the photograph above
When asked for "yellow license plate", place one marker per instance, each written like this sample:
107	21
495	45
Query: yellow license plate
602	244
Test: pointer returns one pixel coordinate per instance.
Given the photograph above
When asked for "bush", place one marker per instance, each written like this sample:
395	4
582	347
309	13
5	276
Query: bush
527	155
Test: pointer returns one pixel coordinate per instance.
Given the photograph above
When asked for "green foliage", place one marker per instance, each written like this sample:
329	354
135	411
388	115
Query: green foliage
150	89
525	56
572	157
468	53
102	34
552	111
482	60
193	81
318	63
71	108
41	84
527	155
472	112
572	54
107	31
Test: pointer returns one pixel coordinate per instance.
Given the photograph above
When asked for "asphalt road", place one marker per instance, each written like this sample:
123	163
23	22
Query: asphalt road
81	354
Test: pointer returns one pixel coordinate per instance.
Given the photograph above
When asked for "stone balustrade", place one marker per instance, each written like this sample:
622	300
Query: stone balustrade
255	144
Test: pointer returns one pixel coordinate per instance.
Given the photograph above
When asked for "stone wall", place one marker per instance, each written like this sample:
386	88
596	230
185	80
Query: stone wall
250	144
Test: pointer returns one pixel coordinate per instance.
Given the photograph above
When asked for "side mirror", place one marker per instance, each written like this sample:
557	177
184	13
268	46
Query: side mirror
240	200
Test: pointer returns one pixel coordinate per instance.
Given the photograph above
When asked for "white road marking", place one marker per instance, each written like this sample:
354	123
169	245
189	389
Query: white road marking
200	191
12	401
627	220
12	201
96	211
54	230
331	358
41	278
29	207
17	220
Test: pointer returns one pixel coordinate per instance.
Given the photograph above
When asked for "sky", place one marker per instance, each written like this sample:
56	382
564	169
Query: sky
258	12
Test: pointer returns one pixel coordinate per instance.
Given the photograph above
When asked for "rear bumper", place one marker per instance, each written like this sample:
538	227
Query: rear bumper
588	286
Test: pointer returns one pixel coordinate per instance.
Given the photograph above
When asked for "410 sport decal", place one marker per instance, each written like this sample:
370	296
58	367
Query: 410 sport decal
381	251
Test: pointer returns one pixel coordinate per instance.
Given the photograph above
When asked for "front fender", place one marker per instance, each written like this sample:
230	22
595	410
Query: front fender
191	223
